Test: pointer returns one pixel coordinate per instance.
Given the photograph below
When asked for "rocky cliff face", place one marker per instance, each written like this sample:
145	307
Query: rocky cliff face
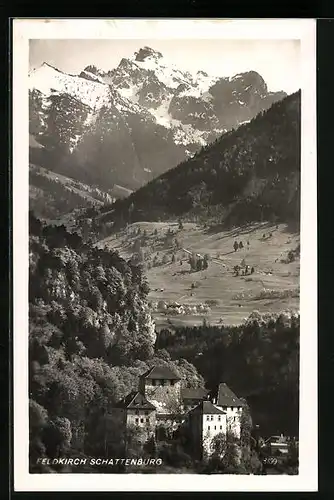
134	122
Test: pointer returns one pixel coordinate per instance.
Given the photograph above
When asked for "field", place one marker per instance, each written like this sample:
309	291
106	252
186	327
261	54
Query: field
273	287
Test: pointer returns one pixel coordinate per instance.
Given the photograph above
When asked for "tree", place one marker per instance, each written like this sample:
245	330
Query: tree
150	447
38	419
58	436
225	455
199	265
165	259
192	262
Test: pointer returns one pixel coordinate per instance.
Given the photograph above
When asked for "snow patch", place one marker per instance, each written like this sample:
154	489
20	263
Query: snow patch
50	81
130	93
161	114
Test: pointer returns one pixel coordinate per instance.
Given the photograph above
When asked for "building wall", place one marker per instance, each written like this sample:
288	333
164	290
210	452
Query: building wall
211	426
165	397
143	420
233	419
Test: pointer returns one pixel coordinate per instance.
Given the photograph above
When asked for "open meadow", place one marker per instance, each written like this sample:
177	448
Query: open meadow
215	294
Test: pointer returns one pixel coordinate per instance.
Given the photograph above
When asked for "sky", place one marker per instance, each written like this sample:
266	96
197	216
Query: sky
277	61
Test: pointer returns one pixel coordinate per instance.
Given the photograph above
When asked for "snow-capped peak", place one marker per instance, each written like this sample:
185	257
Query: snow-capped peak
48	80
146	61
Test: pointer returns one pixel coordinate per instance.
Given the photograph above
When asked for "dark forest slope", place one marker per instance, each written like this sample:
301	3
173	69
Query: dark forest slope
90	337
249	174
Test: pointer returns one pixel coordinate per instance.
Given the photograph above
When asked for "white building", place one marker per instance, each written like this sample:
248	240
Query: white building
206	421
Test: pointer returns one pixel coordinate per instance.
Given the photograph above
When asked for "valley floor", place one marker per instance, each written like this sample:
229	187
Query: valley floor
273	287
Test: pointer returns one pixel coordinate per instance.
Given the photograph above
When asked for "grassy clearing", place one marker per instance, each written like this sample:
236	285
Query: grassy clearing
273	287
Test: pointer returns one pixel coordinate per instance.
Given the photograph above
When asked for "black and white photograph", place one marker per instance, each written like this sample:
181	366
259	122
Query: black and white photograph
164	190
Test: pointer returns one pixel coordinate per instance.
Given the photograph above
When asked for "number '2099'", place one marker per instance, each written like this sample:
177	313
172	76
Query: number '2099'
269	461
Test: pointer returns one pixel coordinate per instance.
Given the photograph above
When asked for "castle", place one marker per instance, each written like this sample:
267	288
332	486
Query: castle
162	403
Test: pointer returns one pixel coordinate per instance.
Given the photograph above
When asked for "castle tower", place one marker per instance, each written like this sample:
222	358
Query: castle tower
161	387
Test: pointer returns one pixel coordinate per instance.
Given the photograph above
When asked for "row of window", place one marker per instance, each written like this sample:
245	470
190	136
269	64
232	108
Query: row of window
215	427
210	418
146	412
162	382
232	408
142	420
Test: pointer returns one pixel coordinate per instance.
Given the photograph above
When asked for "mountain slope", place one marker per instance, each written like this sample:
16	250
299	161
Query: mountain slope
91	133
130	124
53	195
249	174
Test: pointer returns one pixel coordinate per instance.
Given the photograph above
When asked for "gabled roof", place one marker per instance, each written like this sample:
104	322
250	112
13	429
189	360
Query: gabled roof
189	393
135	401
207	408
226	397
160	372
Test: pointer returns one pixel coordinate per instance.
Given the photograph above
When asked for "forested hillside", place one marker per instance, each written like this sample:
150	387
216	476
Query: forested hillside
90	337
249	174
49	199
259	360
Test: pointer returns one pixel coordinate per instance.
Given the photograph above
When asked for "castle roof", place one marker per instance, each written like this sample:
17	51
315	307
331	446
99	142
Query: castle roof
190	393
226	397
135	401
160	372
207	408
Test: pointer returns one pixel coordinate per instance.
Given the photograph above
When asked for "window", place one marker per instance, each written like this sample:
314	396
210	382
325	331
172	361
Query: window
208	427
146	412
162	382
137	420
148	420
137	412
215	427
219	418
153	382
207	417
172	382
221	427
141	420
211	417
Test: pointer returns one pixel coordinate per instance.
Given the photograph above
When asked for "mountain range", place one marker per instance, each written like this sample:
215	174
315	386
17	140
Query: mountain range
131	124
